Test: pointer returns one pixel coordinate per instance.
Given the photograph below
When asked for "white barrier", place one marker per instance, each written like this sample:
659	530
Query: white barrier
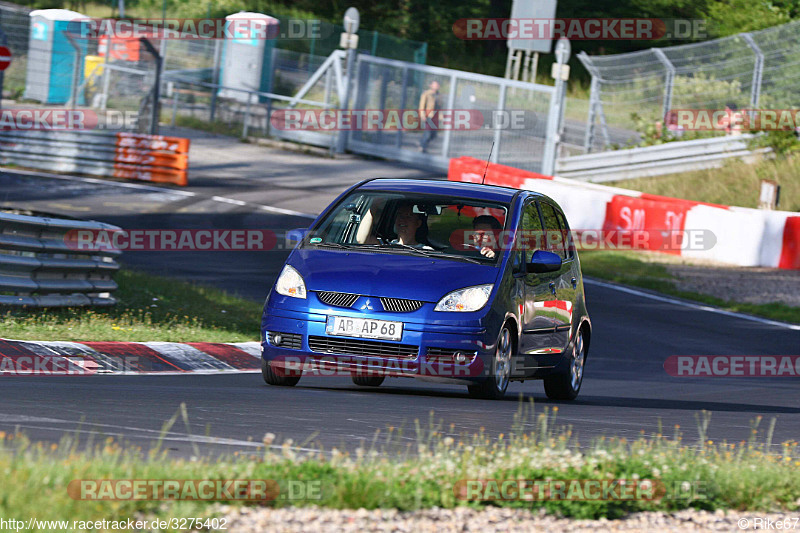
743	236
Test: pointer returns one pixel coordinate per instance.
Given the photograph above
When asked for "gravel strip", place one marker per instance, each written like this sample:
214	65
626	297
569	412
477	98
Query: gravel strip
462	519
741	284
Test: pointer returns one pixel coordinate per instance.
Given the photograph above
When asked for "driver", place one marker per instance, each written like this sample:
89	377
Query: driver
406	224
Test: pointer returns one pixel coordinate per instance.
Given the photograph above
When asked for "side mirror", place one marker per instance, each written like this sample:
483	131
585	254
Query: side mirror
542	262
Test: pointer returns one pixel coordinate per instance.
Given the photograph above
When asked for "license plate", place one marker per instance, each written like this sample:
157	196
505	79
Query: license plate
365	328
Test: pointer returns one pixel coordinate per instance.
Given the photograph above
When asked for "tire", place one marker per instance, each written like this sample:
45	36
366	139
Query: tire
277	376
567	385
368	381
495	386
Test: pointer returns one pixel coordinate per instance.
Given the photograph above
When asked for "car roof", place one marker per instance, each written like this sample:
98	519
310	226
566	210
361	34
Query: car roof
447	188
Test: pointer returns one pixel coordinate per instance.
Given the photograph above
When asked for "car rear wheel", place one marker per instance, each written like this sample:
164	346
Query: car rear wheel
368	381
494	388
277	376
566	386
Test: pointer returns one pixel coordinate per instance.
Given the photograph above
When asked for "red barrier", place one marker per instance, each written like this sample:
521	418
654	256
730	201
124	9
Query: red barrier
651	216
471	170
790	253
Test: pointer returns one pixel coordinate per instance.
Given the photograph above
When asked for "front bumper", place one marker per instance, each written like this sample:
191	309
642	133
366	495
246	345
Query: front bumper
428	359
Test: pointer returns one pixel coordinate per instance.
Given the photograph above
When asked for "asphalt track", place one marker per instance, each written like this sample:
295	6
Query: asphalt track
626	389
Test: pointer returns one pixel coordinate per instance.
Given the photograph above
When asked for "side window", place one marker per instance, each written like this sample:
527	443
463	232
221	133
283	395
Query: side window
570	244
532	230
554	237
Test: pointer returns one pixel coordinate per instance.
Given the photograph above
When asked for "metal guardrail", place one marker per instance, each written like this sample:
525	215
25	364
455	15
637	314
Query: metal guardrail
667	158
38	268
99	153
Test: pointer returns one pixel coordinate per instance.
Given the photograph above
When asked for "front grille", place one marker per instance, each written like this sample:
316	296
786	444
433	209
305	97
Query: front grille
337	299
446	355
345	346
399	305
293	341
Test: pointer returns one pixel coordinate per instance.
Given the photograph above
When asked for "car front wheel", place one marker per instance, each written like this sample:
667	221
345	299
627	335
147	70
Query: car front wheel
566	386
367	381
277	376
494	388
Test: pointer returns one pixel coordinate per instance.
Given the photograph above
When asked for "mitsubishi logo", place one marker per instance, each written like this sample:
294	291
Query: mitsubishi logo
367	305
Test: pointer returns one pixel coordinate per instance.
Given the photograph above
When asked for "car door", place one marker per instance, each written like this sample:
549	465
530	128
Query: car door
538	327
563	283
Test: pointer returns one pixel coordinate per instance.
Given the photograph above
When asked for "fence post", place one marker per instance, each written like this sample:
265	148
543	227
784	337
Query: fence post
403	91
451	97
106	73
556	115
246	125
501	106
215	80
76	66
341	142
175	102
668	82
156	85
594	96
758	69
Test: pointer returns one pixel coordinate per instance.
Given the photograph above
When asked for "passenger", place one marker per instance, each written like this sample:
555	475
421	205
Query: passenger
482	226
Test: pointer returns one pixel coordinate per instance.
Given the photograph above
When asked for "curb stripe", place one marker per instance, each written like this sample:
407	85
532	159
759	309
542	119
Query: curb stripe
232	355
125	350
187	357
74	349
12	350
70	365
129	357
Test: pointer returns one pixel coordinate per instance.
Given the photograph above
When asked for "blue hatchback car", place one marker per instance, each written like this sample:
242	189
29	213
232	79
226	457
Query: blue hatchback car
451	282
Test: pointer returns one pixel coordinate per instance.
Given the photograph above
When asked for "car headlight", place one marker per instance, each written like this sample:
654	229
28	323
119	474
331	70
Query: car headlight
465	300
290	283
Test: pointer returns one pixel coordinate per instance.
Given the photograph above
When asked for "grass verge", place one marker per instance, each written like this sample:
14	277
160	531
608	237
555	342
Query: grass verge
736	183
629	268
149	308
750	475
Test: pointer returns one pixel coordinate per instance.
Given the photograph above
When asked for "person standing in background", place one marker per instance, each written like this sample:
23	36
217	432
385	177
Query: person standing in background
428	104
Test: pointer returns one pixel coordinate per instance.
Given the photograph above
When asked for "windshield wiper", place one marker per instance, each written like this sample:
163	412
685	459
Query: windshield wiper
431	253
334	245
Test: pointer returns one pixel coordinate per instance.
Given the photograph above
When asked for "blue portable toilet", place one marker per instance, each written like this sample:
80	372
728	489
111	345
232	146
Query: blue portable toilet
52	58
247	54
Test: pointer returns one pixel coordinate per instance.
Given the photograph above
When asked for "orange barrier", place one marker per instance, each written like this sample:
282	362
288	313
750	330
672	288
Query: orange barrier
152	158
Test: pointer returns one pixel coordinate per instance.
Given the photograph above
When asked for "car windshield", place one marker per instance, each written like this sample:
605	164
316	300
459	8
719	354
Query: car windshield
413	223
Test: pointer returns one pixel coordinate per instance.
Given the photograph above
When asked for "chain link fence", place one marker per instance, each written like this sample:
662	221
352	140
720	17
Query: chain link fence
751	70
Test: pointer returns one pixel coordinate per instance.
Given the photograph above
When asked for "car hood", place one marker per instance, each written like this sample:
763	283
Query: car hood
396	275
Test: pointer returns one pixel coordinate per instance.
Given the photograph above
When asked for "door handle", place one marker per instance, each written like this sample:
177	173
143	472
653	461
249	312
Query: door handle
553	288
574	283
